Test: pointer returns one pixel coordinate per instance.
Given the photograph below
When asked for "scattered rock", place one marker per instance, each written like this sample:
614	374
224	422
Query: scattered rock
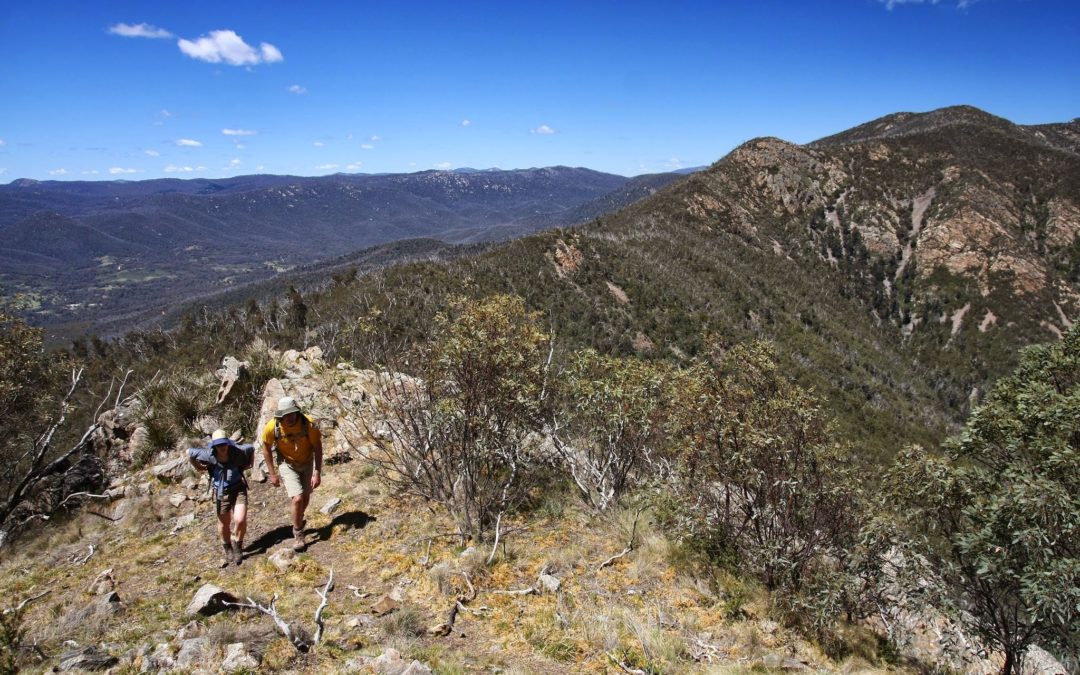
282	558
384	606
232	371
172	471
237	658
189	483
103	583
360	621
191	652
209	599
387	663
183	521
177	499
87	658
549	583
331	506
162	658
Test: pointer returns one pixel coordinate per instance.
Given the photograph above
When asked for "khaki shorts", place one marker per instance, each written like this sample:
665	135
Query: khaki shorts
230	500
296	478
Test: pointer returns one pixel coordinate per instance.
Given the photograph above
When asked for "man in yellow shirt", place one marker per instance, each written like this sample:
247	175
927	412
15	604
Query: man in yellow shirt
297	443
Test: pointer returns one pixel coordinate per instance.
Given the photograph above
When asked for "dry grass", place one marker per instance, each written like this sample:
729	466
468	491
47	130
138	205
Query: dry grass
651	609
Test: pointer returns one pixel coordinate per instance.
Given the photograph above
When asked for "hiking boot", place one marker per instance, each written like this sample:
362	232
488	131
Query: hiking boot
226	555
237	551
298	540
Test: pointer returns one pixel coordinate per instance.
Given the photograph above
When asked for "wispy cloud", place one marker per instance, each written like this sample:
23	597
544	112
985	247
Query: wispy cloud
354	166
2	142
543	130
3	170
165	114
187	143
152	153
117	171
225	46
91	172
297	89
59	172
375	139
326	167
466	123
367	146
960	4
143	30
239	132
318	144
235	161
182	169
443	166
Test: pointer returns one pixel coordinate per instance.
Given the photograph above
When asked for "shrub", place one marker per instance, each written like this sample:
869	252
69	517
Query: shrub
999	513
610	422
463	434
761	482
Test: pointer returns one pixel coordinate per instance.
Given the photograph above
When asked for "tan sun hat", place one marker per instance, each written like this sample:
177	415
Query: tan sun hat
219	436
285	406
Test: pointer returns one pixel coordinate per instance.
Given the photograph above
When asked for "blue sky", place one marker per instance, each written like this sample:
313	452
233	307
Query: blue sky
139	90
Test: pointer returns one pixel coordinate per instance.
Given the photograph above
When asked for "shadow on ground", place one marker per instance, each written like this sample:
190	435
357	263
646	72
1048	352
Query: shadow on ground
349	520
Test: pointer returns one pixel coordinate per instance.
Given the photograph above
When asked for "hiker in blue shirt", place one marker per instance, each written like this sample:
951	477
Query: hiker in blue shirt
226	463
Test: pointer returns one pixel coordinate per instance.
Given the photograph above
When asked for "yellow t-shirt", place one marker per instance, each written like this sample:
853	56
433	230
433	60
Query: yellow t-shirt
294	446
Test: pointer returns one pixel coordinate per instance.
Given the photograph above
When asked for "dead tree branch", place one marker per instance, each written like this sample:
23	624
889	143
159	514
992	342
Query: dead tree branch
24	603
629	545
318	612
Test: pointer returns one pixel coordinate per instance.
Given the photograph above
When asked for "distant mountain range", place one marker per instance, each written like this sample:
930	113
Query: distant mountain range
78	253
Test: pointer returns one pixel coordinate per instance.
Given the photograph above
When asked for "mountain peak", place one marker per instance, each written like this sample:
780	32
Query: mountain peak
905	123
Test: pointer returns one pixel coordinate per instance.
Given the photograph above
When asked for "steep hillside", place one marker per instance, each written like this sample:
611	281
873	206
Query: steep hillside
899	274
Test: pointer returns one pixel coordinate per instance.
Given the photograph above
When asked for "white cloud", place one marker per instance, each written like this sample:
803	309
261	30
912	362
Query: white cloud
143	30
354	166
3	170
116	171
466	123
187	143
375	139
318	144
91	172
270	53
152	153
239	132
543	130
235	161
59	172
165	113
890	4
240	146
326	167
367	146
674	163
228	47
443	166
182	169
297	89
2	142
